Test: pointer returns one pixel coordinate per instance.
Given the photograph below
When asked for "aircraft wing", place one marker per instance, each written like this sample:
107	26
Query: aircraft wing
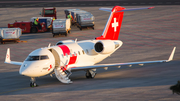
8	60
105	66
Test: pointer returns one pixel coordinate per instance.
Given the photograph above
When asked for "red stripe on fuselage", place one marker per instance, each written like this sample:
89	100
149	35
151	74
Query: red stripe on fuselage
66	50
72	59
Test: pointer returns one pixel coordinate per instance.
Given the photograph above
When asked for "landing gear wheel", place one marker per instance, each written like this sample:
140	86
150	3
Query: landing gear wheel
66	34
52	31
90	74
93	27
33	30
69	32
33	84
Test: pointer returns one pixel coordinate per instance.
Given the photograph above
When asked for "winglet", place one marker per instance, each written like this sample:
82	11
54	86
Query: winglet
172	55
7	59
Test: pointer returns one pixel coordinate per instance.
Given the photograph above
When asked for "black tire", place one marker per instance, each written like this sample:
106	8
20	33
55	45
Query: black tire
33	30
48	30
88	75
52	31
69	32
93	27
33	84
80	28
66	34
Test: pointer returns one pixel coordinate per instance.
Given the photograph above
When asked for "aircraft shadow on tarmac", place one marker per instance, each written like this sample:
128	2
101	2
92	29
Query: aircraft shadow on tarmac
149	75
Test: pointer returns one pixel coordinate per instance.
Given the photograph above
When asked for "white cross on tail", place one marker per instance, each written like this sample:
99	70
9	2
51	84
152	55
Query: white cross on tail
115	24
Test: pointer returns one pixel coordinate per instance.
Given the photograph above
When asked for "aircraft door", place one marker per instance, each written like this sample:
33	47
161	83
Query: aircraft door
56	57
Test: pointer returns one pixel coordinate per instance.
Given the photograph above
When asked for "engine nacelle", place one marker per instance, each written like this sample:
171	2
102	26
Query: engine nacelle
65	41
104	46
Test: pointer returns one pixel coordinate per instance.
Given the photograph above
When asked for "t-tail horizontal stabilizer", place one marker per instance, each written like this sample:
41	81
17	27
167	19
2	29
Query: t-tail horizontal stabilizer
130	9
112	29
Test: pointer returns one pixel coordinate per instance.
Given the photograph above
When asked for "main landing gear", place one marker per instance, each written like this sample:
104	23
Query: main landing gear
90	74
33	84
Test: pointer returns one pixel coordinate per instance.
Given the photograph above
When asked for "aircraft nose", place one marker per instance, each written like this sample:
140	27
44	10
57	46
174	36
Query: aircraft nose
24	72
27	72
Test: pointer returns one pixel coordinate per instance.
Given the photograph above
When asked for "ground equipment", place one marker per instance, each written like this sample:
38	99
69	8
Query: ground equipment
10	35
61	26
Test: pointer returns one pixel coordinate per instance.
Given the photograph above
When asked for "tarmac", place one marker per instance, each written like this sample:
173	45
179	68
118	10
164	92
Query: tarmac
147	35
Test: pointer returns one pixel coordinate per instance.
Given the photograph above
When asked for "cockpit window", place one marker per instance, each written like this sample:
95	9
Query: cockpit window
44	57
34	58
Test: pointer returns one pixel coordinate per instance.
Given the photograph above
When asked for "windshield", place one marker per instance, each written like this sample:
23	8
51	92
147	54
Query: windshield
49	11
34	58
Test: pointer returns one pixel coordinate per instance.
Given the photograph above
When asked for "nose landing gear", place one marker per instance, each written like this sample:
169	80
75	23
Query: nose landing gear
33	84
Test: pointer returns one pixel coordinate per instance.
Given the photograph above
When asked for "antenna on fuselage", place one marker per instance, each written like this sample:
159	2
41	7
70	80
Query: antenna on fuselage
49	45
75	40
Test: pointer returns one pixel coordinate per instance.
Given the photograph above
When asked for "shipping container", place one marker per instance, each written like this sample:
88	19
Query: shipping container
81	18
85	19
71	11
61	26
10	35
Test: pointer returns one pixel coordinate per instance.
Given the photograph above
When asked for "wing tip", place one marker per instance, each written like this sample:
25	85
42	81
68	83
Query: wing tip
7	59
151	7
172	55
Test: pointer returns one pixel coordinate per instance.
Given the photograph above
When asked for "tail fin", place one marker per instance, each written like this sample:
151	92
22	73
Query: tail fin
113	25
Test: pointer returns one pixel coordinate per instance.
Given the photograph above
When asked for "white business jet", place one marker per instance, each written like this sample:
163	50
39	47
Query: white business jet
69	55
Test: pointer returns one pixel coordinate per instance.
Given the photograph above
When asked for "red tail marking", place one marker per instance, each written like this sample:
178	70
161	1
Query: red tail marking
113	25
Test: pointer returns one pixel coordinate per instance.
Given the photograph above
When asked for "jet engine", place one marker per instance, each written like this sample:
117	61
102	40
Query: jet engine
65	42
105	46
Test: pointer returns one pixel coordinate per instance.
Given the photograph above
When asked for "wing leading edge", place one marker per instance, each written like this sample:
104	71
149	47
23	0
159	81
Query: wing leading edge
123	64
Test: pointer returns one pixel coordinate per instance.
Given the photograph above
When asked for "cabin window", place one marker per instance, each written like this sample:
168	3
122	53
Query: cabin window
87	51
66	54
62	55
83	51
75	54
79	52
